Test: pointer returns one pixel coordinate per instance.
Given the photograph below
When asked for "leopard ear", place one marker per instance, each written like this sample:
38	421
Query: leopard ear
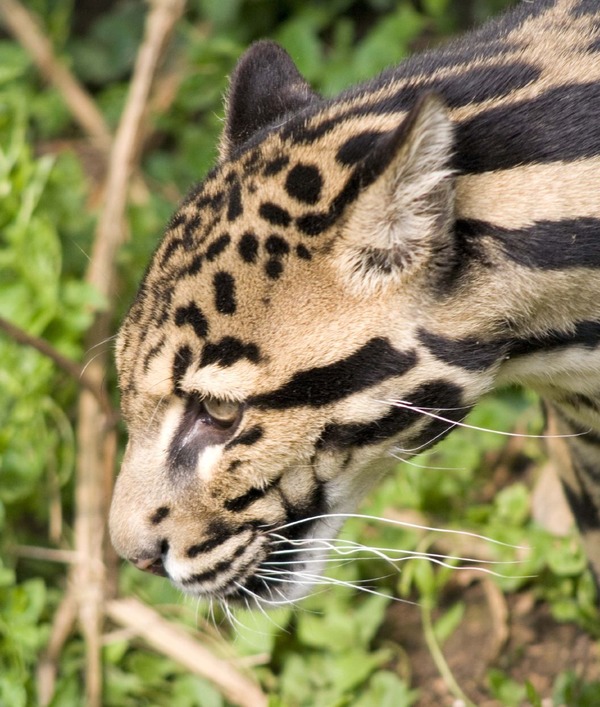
264	87
401	220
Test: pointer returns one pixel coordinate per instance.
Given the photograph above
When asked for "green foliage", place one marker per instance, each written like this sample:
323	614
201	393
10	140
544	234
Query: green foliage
328	652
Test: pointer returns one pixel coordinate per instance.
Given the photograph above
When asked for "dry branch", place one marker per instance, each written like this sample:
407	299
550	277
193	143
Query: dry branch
97	445
26	28
69	366
174	642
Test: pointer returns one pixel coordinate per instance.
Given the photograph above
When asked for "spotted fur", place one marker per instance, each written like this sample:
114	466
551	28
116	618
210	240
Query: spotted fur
425	237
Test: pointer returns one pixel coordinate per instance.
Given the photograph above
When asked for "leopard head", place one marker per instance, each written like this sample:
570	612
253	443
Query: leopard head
278	320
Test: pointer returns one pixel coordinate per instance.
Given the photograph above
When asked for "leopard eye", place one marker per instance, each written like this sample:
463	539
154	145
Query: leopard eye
224	412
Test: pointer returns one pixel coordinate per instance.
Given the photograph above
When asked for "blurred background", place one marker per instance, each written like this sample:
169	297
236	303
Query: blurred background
423	633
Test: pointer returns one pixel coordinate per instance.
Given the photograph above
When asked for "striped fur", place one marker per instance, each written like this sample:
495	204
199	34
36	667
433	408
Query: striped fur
425	237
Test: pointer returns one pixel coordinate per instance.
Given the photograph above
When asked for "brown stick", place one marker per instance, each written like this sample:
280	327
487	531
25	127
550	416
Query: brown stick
97	445
74	369
176	643
26	28
64	618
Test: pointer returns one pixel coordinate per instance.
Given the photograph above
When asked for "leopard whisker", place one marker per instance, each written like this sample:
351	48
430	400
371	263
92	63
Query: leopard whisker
406	405
398	523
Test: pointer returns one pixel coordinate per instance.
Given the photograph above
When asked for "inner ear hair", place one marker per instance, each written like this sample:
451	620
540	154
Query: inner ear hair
403	216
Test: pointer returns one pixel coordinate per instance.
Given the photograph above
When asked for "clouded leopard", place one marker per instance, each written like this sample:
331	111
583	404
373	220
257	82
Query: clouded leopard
425	237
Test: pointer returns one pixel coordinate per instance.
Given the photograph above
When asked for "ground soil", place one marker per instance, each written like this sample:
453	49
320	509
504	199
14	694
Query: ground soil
513	634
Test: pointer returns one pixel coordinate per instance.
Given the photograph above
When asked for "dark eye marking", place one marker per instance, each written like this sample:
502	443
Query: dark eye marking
373	363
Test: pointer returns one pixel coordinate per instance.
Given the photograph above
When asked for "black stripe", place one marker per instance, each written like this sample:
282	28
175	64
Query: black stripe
547	245
373	363
583	508
470	353
586	334
437	395
228	351
473	85
477	354
219	568
561	124
181	362
240	503
192	315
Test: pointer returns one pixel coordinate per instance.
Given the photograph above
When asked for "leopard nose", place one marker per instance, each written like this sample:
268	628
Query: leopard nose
154	565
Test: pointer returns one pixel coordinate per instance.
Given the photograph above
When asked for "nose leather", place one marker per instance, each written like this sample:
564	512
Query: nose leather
153	565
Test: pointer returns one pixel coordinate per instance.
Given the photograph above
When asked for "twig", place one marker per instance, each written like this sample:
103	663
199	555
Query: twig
72	368
64	618
26	28
46	554
174	642
96	445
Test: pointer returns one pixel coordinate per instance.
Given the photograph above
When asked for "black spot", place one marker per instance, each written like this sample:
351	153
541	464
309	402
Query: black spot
181	362
193	268
235	208
374	362
152	353
274	214
251	163
193	316
214	202
190	230
355	148
173	246
246	438
217	247
228	351
273	268
275	166
303	252
248	247
277	246
313	224
224	285
304	183
235	464
547	245
240	503
159	515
